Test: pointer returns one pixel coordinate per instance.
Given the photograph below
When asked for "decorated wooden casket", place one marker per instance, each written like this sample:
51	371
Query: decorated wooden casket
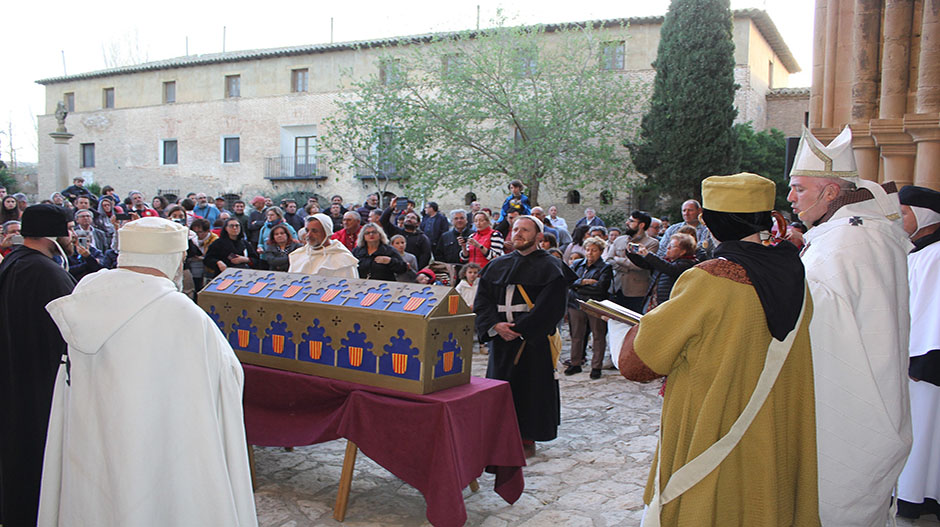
410	337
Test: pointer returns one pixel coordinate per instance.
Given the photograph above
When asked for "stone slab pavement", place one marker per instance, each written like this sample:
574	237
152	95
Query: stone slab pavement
593	475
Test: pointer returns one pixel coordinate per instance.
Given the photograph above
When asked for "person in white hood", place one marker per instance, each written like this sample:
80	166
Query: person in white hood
321	255
147	426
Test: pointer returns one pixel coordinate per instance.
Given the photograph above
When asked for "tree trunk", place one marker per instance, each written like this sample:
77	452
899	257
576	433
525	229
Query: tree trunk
533	188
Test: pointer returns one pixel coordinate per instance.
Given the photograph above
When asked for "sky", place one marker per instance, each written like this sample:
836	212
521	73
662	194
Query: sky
43	39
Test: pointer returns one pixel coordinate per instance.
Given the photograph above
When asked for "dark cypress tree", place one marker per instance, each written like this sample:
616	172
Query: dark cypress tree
687	133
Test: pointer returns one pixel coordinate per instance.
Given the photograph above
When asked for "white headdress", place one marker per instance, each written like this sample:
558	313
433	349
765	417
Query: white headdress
153	242
837	160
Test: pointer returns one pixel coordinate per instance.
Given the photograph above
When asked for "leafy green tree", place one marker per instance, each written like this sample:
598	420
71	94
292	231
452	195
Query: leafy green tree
687	133
7	180
481	108
764	153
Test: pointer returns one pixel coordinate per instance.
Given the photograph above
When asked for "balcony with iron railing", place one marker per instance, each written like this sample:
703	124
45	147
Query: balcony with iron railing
387	172
292	168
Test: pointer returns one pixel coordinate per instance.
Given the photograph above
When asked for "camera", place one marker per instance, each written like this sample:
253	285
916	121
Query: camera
401	204
633	247
122	217
83	241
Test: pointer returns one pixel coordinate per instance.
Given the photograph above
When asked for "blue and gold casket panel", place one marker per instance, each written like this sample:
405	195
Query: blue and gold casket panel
412	337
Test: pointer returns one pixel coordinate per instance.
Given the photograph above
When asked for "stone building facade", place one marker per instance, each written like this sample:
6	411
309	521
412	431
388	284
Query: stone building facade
788	110
247	122
876	68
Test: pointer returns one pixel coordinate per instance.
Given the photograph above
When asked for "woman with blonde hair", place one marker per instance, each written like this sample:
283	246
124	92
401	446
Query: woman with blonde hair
377	259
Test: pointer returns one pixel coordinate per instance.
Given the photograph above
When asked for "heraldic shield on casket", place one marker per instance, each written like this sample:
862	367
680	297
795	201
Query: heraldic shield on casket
410	337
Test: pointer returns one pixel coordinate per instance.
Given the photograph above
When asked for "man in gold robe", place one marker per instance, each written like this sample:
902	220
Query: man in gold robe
733	340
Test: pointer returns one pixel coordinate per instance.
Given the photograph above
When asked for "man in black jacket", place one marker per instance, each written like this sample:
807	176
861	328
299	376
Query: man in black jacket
416	242
453	241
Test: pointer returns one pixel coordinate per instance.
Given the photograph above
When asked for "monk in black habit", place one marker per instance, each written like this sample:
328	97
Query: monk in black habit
520	330
30	352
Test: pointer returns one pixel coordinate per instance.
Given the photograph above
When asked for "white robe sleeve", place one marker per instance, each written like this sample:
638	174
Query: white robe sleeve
232	424
51	489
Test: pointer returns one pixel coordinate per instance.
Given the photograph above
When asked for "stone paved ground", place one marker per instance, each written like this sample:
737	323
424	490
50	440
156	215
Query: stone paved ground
592	475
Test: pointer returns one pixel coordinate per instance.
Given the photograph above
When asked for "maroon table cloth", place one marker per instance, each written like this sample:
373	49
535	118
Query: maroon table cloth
437	443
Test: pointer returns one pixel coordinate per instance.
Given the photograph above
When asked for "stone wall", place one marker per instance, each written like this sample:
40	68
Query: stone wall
787	110
128	138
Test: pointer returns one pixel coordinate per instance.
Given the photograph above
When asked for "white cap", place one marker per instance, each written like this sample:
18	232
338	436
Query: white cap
151	235
538	223
325	221
837	161
814	159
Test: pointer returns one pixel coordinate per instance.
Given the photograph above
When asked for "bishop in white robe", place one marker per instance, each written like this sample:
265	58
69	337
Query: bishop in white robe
856	266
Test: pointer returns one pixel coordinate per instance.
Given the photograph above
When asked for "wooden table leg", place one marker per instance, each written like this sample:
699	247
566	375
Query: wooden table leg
474	485
251	465
345	481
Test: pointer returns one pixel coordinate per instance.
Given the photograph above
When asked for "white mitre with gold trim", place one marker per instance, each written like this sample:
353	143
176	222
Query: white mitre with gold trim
837	161
813	159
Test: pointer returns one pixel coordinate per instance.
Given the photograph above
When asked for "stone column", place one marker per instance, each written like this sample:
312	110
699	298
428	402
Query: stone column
829	77
895	63
819	65
897	150
924	126
925	129
866	151
61	147
928	76
845	65
866	34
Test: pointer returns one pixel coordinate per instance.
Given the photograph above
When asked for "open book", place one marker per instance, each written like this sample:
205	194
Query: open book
606	308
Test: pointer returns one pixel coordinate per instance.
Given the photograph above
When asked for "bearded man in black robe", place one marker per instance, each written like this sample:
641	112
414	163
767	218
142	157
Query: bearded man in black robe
31	349
521	298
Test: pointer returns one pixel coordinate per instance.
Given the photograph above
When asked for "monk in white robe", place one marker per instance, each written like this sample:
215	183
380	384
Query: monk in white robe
919	486
321	255
147	426
856	267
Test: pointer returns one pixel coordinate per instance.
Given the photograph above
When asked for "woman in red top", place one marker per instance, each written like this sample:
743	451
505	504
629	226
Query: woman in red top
484	245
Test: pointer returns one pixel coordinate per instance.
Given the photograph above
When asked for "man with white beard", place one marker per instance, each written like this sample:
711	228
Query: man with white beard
321	255
147	426
856	266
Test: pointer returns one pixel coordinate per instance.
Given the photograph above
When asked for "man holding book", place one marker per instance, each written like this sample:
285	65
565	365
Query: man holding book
734	341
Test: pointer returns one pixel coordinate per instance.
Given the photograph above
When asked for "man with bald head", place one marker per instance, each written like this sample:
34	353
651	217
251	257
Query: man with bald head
856	268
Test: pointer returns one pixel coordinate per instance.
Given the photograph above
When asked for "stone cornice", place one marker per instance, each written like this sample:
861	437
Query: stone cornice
761	20
890	133
923	126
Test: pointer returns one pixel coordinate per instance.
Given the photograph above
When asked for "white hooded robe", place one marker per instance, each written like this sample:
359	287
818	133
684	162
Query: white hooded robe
147	426
856	267
921	476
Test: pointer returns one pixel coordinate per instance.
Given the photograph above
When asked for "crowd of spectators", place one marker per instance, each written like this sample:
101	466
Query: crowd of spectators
631	264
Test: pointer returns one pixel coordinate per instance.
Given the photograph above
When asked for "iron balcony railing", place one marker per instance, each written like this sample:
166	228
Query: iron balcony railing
291	167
